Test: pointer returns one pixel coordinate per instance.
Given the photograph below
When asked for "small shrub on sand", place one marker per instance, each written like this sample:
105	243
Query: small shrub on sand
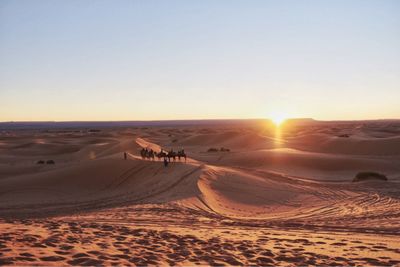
40	162
50	161
363	176
212	149
223	149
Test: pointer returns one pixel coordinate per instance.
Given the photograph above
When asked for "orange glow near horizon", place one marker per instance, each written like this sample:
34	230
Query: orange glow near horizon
278	119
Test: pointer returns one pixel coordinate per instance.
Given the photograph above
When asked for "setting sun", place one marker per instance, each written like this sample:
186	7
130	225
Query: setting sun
278	119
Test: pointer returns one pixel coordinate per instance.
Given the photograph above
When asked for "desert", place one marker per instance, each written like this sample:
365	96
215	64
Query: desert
200	133
275	195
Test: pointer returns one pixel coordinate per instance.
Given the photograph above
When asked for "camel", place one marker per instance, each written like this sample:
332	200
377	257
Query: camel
147	154
150	154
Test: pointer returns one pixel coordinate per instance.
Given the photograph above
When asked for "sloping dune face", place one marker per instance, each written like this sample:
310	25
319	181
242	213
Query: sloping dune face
231	139
278	198
299	176
352	145
95	184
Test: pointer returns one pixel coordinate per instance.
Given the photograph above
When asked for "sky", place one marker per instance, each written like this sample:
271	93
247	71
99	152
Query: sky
158	60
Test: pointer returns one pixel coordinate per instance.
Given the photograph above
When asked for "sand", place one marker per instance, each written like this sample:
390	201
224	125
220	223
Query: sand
278	197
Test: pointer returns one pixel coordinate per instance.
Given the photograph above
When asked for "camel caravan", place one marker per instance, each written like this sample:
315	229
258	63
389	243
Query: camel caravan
151	154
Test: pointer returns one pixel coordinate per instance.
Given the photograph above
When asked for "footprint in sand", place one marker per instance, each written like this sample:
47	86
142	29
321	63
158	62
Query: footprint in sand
338	244
52	258
267	253
85	262
60	252
38	245
262	261
66	247
6	261
30	259
380	247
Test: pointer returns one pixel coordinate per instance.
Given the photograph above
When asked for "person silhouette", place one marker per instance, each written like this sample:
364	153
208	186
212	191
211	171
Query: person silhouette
125	155
165	162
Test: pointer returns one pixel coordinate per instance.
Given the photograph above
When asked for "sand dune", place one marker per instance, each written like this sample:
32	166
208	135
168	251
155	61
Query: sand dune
353	145
231	139
310	164
107	182
263	203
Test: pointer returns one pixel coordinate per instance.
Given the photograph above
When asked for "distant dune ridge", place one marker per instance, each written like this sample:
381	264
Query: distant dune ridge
111	124
263	199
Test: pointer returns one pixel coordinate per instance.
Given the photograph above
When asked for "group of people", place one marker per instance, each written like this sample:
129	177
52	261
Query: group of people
167	156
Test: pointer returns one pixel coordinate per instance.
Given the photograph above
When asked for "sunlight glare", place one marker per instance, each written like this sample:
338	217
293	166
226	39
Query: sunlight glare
278	119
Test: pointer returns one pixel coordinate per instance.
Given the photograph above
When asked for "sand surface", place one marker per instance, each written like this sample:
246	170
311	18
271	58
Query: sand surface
280	196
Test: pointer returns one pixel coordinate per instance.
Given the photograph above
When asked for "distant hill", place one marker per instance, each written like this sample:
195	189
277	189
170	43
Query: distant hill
105	124
300	120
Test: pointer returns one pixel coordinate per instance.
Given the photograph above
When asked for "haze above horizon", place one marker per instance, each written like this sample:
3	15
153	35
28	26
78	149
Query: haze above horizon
167	60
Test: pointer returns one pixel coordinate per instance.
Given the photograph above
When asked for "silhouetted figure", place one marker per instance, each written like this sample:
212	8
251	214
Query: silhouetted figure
165	162
151	154
171	154
162	154
125	155
181	153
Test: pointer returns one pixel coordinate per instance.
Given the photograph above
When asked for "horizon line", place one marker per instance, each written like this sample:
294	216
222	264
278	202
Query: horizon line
217	119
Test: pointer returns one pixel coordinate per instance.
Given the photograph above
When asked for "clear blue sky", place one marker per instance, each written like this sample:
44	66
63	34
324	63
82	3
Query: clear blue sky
139	60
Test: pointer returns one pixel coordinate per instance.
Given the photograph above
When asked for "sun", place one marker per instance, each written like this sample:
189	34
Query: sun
278	119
